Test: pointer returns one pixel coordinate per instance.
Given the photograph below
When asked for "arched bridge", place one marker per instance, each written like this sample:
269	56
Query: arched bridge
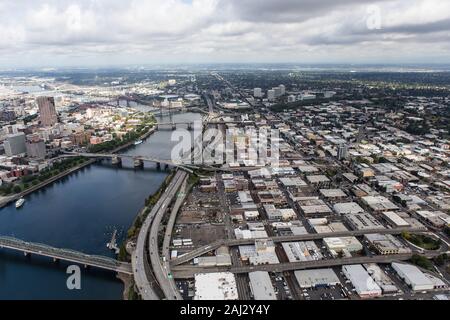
68	255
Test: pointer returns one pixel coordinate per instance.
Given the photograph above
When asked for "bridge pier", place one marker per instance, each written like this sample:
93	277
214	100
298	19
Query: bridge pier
138	163
55	260
116	161
26	254
158	166
174	126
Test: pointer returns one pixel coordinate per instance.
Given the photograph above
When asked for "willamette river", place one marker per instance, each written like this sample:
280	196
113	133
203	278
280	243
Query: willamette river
79	212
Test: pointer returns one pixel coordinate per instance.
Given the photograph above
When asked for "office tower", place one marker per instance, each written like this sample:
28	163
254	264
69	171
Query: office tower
257	92
271	95
277	91
14	144
282	89
47	111
35	148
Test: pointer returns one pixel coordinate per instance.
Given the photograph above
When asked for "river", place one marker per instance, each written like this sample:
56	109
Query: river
79	212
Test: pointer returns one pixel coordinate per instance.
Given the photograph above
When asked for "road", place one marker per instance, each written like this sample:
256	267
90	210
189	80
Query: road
188	271
141	271
161	269
302	237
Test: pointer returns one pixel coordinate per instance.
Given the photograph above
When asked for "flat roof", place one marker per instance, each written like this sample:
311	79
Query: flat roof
262	286
413	274
347	207
316	277
361	280
332	193
215	286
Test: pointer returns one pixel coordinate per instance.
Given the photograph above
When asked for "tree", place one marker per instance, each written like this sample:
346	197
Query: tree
17	189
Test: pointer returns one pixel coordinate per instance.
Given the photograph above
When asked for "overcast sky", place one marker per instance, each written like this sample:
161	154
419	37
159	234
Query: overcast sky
112	32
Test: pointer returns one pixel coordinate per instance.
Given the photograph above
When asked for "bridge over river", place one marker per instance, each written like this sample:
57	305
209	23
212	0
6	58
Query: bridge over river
68	255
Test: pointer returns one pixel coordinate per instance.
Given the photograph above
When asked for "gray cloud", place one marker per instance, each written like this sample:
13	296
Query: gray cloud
100	31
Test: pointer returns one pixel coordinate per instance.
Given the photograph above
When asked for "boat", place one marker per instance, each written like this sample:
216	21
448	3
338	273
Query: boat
138	142
20	202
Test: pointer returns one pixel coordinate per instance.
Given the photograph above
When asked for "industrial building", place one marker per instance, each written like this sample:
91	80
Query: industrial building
347	207
302	251
342	245
381	279
413	277
363	283
215	286
363	221
261	286
316	278
379	203
394	219
386	244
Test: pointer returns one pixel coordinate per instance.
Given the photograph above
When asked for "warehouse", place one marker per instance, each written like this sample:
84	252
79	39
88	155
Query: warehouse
302	251
364	284
379	203
350	244
386	244
394	219
332	193
261	286
413	277
363	221
215	286
347	207
314	206
385	283
316	278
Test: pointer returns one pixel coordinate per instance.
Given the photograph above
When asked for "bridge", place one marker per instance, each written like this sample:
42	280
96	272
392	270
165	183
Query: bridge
302	237
68	255
138	160
189	271
191	125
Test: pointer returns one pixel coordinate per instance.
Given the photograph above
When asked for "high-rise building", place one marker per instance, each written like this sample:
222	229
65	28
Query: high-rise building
14	144
257	92
291	98
282	89
271	95
35	148
342	152
277	91
47	111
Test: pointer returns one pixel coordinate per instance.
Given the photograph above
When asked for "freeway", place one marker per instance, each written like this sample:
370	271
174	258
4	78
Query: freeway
302	237
189	271
141	271
160	271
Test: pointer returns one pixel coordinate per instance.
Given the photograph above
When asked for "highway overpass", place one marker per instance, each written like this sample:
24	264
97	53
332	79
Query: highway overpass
189	271
302	237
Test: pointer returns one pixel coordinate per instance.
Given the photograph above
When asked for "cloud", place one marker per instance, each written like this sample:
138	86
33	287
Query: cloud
70	32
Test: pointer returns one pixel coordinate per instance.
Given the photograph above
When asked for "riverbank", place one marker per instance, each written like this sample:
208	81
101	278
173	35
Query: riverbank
4	201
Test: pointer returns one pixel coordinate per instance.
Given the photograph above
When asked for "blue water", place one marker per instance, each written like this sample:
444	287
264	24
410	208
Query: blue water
78	212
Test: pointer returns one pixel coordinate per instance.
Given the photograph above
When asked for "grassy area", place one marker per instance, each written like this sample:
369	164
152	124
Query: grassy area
422	241
422	262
